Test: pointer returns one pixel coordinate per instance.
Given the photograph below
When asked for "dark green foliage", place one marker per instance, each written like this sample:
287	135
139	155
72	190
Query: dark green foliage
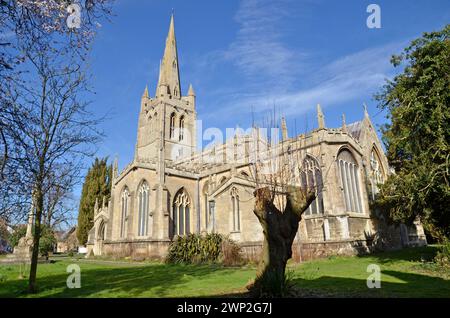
273	284
17	234
97	184
200	249
443	255
4	234
417	137
47	241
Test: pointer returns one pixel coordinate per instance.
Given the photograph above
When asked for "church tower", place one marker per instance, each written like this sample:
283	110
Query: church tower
167	122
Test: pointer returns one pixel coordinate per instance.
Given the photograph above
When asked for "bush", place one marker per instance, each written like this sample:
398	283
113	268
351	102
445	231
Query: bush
272	284
19	232
442	257
203	249
230	253
46	242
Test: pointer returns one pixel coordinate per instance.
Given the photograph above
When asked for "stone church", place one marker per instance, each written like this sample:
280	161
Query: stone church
171	189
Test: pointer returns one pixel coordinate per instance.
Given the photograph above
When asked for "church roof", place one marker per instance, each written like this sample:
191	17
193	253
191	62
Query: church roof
354	129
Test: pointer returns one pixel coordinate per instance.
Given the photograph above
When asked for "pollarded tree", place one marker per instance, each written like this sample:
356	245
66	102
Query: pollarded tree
418	135
282	195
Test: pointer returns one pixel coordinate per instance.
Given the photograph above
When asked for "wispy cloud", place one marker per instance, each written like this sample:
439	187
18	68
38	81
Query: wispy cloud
287	77
339	81
258	50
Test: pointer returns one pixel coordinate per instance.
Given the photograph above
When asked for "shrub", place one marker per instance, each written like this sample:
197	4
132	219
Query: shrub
46	242
201	249
230	253
442	257
18	233
272	284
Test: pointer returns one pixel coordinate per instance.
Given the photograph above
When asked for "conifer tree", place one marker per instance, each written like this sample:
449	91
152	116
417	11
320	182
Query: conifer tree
97	184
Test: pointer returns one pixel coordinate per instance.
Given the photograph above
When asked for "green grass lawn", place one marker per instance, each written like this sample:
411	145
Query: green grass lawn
404	274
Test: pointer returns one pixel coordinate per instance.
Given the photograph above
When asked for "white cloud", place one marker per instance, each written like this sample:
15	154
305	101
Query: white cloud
279	75
259	51
342	80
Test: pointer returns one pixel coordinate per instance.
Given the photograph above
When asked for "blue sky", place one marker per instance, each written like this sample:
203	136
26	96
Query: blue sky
253	53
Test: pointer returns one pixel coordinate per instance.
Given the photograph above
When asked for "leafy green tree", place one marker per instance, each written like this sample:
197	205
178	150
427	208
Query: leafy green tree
4	234
17	234
47	240
97	185
417	135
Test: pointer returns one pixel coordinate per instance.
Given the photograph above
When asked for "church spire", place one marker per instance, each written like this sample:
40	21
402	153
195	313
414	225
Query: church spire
169	76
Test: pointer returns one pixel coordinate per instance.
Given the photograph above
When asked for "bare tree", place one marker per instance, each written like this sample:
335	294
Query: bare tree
46	127
58	202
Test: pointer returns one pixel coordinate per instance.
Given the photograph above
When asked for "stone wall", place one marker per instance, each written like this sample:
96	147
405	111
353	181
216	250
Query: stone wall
137	250
308	251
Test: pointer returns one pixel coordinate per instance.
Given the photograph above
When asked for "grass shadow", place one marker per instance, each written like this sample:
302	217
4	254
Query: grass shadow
156	280
411	254
406	285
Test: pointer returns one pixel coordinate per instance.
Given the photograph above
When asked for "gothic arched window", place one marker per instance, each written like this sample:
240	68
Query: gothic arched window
181	128
311	177
143	201
172	126
124	209
348	170
181	213
376	173
236	211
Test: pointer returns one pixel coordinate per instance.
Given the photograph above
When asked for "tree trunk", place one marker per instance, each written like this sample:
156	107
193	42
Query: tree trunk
279	229
37	234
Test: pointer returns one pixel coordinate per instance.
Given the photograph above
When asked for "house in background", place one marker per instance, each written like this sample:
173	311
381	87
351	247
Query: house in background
66	241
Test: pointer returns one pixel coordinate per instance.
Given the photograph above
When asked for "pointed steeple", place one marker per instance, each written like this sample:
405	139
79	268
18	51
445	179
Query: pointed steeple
320	117
169	76
191	91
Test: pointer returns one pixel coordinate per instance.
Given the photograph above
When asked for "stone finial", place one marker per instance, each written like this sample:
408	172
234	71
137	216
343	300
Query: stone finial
96	206
320	117
115	171
284	131
191	91
104	202
366	113
145	94
344	125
